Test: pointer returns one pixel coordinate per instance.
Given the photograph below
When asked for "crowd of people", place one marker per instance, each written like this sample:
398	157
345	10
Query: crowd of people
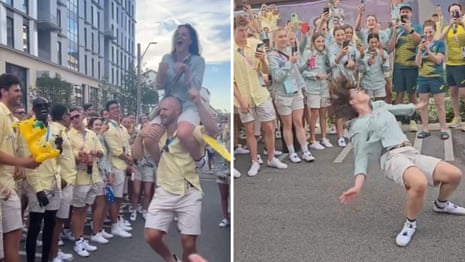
354	77
109	159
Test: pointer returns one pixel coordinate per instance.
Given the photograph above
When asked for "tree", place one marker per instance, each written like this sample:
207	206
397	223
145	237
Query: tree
54	89
128	93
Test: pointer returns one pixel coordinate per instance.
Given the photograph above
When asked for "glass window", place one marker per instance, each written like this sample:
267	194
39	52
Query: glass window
93	42
85	38
9	32
92	15
26	38
85	64
59	17
72	35
24	6
92	66
59	54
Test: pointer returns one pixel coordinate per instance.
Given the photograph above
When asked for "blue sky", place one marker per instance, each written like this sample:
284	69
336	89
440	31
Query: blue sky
156	22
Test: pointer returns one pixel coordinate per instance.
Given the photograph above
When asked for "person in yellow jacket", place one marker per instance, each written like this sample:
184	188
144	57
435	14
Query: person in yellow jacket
87	150
119	155
10	213
47	184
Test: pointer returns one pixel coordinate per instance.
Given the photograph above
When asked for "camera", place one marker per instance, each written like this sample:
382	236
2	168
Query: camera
326	10
89	169
403	19
456	14
260	47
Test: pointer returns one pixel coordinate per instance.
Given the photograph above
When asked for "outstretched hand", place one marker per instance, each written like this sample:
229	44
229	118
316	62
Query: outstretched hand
349	196
420	105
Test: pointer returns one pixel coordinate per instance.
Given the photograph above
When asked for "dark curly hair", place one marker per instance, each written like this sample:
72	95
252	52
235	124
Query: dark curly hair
340	99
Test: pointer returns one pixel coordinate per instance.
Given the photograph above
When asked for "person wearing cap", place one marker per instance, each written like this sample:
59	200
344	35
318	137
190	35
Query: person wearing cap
404	40
178	192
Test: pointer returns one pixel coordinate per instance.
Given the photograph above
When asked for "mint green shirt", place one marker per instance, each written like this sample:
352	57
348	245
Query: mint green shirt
371	133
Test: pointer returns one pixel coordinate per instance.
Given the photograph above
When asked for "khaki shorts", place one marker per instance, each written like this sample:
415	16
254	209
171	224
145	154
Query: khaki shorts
54	198
379	92
118	182
11	212
395	162
165	206
286	104
264	113
146	171
318	101
67	197
100	188
84	195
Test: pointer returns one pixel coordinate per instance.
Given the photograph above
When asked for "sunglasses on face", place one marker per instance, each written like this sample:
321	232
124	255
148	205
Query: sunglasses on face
74	117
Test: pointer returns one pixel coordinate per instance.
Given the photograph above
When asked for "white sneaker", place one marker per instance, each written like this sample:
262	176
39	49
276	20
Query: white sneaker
118	231
60	243
236	173
276	163
325	142
405	235
124	224
332	130
294	158
67	235
133	216
253	169
449	208
88	246
341	142
259	159
99	238
144	214
105	234
64	256
140	209
39	243
241	151
57	259
224	223
80	249
317	146
276	152
307	156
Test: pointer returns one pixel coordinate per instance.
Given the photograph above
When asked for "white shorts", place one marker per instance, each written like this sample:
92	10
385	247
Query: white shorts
84	195
67	197
165	206
395	162
11	212
264	113
54	198
118	182
318	101
146	171
374	93
286	104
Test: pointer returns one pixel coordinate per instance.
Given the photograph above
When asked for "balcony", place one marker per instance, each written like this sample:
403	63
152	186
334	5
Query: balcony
48	22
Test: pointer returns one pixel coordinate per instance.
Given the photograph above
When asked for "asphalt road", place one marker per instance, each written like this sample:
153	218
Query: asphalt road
295	215
213	244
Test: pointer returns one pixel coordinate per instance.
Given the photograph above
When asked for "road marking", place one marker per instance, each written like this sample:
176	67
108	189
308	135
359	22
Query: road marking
448	148
23	253
340	158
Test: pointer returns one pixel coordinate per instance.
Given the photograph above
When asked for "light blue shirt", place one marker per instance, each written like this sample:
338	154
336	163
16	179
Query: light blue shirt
373	75
313	85
179	90
284	73
371	133
338	69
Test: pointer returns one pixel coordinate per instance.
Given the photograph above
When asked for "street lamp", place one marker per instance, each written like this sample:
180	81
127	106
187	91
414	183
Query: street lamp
138	85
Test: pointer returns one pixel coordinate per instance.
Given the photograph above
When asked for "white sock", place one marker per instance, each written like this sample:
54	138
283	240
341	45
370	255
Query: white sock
291	149
304	147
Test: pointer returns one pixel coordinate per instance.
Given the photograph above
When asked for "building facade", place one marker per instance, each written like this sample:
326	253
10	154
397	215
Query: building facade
88	43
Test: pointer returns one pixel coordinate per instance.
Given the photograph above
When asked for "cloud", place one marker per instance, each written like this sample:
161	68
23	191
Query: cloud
157	20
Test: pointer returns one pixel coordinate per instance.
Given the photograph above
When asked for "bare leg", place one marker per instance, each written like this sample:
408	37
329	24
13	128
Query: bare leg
449	177
269	139
424	112
155	239
188	246
98	214
299	128
415	184
184	134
